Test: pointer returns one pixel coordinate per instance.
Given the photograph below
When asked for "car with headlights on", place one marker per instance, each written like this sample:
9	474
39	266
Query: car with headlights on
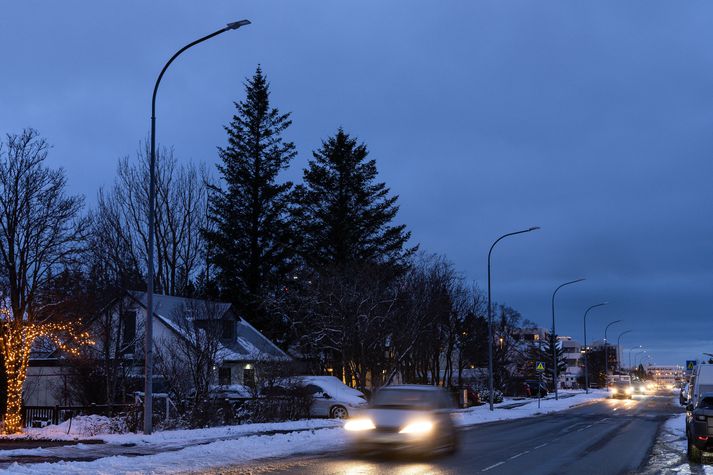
621	390
405	418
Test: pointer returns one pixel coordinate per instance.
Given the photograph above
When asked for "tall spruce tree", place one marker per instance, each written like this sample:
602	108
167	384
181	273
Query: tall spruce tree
550	341
249	228
344	216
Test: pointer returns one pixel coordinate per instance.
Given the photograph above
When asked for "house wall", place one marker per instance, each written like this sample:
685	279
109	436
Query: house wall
46	386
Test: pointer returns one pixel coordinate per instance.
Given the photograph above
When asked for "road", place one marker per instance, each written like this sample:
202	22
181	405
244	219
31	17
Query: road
606	437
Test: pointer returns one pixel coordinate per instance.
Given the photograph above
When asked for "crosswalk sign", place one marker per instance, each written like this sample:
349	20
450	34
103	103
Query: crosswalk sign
690	364
539	366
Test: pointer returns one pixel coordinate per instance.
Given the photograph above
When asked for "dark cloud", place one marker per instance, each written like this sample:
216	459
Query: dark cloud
592	120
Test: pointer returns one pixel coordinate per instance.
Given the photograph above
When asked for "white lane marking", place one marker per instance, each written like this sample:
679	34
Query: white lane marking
492	466
571	427
519	455
602	420
541	445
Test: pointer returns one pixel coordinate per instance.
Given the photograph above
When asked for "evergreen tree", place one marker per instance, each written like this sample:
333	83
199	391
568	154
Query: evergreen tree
343	214
550	341
249	230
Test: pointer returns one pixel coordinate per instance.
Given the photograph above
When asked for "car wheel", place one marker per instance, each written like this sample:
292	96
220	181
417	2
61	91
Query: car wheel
694	453
339	412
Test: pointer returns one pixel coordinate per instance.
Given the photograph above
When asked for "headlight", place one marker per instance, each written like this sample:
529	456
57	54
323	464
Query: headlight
355	425
629	390
613	390
420	427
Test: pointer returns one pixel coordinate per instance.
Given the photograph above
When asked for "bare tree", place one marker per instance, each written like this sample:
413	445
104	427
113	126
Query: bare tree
181	214
189	358
40	231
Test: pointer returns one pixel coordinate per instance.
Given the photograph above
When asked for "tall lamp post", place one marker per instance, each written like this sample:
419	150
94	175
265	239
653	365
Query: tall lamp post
586	365
148	335
606	348
630	350
554	342
618	348
490	313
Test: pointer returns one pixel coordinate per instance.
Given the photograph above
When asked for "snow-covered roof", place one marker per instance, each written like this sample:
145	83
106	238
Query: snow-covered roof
248	345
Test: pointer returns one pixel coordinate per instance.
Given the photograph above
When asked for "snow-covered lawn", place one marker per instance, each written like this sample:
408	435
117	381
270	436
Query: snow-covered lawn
179	452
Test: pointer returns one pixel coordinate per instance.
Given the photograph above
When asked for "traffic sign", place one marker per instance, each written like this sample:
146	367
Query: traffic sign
690	364
539	366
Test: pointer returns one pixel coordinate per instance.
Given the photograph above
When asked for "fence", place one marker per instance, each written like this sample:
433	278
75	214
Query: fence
44	415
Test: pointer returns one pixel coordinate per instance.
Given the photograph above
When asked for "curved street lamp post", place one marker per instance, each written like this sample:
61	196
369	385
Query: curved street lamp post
148	332
554	342
586	365
618	348
490	314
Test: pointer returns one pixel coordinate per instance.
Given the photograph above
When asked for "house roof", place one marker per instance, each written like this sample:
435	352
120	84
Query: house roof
249	344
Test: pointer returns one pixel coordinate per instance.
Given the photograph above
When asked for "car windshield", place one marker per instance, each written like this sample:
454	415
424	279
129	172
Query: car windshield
706	403
405	399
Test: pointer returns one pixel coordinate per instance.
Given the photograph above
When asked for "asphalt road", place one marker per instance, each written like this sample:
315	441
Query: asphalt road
607	437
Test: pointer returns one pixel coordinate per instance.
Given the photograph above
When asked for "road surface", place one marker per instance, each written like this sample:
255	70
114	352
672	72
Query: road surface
606	437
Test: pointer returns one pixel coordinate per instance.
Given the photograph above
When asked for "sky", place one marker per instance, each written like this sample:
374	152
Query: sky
592	120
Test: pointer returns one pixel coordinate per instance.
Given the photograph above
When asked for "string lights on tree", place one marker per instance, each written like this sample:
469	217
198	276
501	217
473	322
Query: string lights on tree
17	336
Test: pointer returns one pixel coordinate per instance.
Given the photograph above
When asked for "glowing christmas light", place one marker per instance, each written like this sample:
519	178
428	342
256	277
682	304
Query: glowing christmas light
16	338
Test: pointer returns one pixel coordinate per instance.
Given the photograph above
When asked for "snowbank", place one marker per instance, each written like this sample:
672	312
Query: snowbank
202	457
568	399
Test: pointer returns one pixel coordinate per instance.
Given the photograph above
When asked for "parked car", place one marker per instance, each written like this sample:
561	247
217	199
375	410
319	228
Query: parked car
621	390
331	397
698	431
702	382
406	417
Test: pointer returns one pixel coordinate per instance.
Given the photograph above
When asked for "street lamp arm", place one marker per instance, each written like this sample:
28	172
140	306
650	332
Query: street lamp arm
534	228
229	26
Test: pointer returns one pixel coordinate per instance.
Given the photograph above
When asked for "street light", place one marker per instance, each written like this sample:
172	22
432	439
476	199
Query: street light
490	314
618	348
148	336
554	343
606	348
630	349
586	365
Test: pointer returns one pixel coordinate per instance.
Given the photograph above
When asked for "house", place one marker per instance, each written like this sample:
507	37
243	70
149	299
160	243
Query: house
180	324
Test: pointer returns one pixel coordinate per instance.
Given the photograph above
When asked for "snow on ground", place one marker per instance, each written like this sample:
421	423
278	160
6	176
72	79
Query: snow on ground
95	427
243	444
568	399
215	454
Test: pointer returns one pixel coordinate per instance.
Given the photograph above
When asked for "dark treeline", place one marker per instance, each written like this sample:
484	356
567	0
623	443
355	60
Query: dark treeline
324	267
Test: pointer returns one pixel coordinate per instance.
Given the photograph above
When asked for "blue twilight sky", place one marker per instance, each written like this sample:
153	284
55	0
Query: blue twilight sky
593	120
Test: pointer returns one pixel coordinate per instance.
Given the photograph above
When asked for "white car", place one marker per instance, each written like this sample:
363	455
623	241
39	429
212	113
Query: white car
331	397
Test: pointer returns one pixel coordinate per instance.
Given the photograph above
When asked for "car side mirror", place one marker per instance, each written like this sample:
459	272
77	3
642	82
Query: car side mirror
326	396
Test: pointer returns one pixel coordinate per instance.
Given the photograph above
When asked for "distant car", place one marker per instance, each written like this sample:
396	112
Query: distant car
406	417
640	388
621	390
699	427
330	397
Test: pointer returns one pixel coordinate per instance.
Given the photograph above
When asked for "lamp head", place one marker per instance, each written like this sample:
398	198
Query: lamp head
237	24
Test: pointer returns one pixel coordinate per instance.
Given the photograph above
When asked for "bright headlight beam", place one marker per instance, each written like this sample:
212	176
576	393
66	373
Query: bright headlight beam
355	425
419	427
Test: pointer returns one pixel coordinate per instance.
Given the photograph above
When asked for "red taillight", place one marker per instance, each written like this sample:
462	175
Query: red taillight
702	437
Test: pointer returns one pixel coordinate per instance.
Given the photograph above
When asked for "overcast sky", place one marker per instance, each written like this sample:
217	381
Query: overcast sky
593	120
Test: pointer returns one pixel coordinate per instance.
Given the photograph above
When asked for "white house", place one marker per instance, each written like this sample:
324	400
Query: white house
177	321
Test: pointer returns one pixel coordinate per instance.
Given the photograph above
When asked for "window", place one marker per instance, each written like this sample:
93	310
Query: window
224	376
228	330
248	376
128	323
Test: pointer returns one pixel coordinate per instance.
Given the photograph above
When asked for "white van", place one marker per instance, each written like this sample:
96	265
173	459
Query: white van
703	382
